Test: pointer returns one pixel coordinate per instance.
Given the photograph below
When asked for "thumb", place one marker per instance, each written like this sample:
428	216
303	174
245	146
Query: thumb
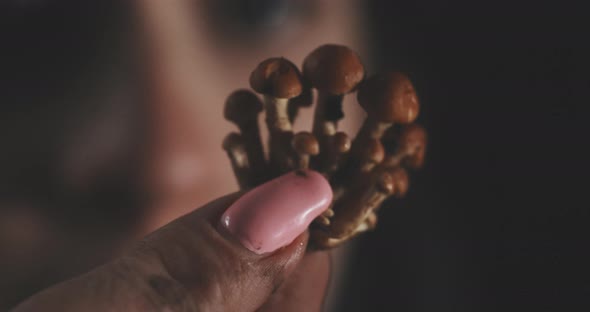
230	255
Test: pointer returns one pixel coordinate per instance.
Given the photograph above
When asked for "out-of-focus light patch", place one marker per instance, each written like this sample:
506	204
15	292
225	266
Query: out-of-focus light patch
22	229
184	170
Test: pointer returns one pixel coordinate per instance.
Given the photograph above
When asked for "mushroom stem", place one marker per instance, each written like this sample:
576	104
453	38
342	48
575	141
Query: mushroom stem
303	162
325	124
234	145
339	147
253	146
327	114
394	160
242	108
278	80
370	132
353	210
280	134
304	144
372	156
302	159
277	117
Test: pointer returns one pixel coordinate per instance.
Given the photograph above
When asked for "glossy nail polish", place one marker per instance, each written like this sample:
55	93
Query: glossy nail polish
275	213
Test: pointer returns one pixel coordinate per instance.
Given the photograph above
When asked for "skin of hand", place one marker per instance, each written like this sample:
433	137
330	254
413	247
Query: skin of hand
195	264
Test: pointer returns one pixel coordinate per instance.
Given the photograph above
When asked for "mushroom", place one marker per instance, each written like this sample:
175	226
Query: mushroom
362	173
372	155
354	212
340	145
334	70
305	144
410	146
400	180
242	108
233	144
389	98
278	80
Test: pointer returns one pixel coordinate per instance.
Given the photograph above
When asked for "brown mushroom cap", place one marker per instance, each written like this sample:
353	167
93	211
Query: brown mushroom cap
306	143
334	69
242	106
374	151
341	142
412	141
277	77
232	141
385	183
400	180
389	98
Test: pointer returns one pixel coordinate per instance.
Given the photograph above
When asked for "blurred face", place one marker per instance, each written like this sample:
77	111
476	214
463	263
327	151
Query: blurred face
198	54
121	132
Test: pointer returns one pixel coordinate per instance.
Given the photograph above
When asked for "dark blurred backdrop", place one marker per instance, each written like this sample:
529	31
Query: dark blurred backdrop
498	220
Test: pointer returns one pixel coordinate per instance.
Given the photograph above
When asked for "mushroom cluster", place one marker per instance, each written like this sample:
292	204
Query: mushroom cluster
363	172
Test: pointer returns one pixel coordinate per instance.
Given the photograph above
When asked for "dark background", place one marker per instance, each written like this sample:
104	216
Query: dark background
497	220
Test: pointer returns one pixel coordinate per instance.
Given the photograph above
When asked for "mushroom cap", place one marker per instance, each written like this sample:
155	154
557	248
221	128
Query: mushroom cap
334	69
341	142
385	183
242	106
306	143
374	151
389	98
277	77
401	181
412	141
232	140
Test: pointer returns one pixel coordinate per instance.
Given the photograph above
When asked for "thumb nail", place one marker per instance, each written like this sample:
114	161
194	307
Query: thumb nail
273	214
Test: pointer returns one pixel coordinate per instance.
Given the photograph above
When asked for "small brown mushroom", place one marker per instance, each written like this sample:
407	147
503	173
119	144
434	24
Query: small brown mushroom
354	212
234	145
371	156
399	188
400	180
387	99
341	142
278	80
242	108
340	145
305	144
334	70
410	146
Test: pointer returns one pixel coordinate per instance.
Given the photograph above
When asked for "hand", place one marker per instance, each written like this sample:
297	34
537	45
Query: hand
229	255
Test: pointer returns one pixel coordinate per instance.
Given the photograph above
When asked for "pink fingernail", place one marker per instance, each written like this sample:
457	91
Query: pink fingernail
275	213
